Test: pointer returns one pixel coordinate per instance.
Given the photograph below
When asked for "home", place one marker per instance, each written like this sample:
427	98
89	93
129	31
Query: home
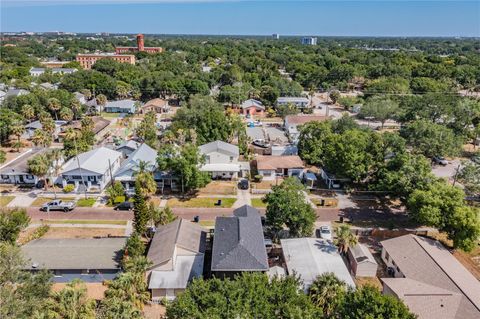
272	166
93	169
17	172
39	71
80	97
88	259
15	92
155	105
31	127
429	279
362	263
99	124
312	257
176	254
299	102
122	106
126	174
48	86
331	180
252	107
292	124
238	244
221	160
128	147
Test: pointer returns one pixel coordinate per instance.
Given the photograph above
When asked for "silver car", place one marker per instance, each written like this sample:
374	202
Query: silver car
58	204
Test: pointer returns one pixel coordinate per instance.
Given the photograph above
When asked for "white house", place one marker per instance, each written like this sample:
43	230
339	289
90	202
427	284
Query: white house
16	171
221	160
94	169
40	71
128	169
128	147
293	122
271	166
299	102
121	106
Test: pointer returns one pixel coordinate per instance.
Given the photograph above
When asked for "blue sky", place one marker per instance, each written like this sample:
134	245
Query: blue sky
328	18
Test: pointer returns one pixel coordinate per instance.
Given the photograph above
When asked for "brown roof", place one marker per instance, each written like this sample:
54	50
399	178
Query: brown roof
156	103
275	162
427	261
99	123
302	119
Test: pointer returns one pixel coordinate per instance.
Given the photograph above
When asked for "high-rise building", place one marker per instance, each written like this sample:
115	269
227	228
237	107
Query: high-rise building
309	40
88	60
139	48
276	36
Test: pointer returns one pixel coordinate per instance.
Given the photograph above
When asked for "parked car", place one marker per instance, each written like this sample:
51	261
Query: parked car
124	206
260	143
243	184
440	160
324	232
58	204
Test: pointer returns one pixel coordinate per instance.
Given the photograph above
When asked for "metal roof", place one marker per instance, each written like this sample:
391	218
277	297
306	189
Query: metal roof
96	160
219	146
362	254
186	268
143	153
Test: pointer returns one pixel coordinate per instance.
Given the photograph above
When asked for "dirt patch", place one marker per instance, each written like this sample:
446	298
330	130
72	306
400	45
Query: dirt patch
95	290
75	232
219	188
25	234
471	261
154	311
368	281
267	184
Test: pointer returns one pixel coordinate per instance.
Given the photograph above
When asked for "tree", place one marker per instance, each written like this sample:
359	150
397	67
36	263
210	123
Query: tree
469	176
54	157
147	130
161	216
327	293
134	246
18	129
442	206
345	238
75	106
432	139
3	156
28	112
313	140
284	110
66	114
42	138
249	295
287	206
48	124
87	93
141	213
368	302
72	302
101	100
381	109
114	191
144	180
12	222
39	165
334	95
54	105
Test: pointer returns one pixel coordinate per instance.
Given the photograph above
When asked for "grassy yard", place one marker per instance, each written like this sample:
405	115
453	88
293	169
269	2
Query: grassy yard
4	200
258	203
207	223
110	115
85	221
201	202
86	202
219	188
39	201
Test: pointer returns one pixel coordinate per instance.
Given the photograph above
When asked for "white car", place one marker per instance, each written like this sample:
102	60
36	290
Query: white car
325	232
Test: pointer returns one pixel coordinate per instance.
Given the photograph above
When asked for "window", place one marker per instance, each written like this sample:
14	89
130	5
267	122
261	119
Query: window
231	158
387	256
4	176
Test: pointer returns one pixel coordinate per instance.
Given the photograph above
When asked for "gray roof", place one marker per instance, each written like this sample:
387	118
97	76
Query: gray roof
427	261
143	153
219	146
186	268
181	233
16	92
96	160
292	99
20	165
361	253
91	253
121	104
131	144
252	102
238	244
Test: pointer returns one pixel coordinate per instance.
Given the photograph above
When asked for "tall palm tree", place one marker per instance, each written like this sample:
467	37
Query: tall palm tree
345	238
144	179
48	125
55	158
72	302
75	106
17	129
28	112
101	100
39	166
327	293
87	93
66	114
42	138
54	105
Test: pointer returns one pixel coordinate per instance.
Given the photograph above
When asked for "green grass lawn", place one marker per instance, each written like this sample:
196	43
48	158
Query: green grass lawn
201	202
39	201
86	202
4	200
207	223
110	115
258	202
86	221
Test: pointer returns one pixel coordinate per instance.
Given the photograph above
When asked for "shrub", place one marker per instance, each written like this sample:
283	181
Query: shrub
119	199
258	178
38	233
69	188
86	202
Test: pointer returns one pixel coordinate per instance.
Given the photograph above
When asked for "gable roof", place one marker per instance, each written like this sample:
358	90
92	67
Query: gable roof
156	103
238	243
131	144
252	102
362	254
179	233
273	162
96	160
121	104
219	146
143	153
20	164
428	261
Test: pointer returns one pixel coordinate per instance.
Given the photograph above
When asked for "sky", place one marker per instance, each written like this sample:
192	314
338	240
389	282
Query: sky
246	17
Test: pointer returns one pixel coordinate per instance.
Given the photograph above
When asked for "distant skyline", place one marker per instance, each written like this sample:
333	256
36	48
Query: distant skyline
246	17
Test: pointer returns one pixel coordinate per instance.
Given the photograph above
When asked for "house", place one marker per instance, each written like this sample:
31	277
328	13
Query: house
15	92
271	166
155	105
39	71
88	259
362	263
128	147
238	243
2	96
429	279
48	86
130	167
99	124
312	257
16	171
299	102
252	107
31	127
80	97
331	180
121	106
177	256
283	150
221	160
292	124
93	169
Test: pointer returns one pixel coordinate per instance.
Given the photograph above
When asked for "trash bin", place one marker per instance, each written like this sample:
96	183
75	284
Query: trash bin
196	219
341	219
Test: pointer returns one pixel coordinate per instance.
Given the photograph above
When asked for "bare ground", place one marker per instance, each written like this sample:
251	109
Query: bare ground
71	232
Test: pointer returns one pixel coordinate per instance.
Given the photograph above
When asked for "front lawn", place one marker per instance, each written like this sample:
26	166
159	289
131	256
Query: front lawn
39	201
86	202
201	202
219	188
258	203
85	221
5	200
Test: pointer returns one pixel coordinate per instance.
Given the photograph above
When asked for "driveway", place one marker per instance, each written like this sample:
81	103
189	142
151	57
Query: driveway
243	198
447	171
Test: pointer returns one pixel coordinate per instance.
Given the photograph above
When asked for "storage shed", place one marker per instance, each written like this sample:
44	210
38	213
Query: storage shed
362	263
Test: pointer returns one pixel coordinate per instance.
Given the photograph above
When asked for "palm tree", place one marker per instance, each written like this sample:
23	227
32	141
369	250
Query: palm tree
39	166
75	106
144	179
115	307
101	100
345	238
17	129
48	125
66	114
42	138
72	302
28	112
55	158
327	293
54	105
87	93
